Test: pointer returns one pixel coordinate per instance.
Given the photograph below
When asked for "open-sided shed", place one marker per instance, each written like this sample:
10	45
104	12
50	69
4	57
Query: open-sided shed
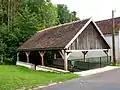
59	42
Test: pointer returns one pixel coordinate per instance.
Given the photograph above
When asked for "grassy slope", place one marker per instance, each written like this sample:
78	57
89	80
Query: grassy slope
15	77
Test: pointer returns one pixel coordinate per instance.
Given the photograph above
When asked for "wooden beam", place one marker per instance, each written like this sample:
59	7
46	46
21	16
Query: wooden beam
65	61
42	58
62	54
86	50
68	54
54	55
106	52
18	56
27	54
84	53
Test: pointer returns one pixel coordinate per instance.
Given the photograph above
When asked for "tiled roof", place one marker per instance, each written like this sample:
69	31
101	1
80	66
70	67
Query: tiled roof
106	25
53	38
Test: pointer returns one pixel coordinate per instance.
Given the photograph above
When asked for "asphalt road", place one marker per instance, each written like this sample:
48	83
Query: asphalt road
109	80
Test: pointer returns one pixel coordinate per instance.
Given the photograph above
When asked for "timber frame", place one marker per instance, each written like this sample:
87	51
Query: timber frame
64	54
75	44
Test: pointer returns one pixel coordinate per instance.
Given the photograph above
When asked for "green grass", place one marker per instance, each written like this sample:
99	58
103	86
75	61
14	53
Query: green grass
117	64
17	77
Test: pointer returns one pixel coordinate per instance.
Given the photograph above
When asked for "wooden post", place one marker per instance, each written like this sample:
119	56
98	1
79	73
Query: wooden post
106	52
84	52
84	58
62	54
18	56
55	56
100	62
107	57
113	39
65	61
27	54
42	58
65	56
88	64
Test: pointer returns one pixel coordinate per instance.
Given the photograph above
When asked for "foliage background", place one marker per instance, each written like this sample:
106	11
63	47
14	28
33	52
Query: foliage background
20	19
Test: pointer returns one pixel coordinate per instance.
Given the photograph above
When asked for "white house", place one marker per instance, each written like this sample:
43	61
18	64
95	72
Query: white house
106	28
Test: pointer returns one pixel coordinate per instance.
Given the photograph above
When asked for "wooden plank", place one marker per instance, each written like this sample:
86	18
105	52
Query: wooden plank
101	34
83	28
85	50
90	38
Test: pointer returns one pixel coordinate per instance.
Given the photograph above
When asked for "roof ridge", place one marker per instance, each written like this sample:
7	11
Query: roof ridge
107	19
62	25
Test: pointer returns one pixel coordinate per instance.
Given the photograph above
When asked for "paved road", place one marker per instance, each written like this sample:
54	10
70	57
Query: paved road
109	80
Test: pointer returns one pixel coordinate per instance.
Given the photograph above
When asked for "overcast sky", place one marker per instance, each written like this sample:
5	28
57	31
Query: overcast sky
98	9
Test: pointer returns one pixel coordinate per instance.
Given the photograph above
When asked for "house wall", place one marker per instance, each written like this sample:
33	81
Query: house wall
108	38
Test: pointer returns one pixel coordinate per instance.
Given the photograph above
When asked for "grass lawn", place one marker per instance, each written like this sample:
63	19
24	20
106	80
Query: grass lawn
17	77
118	64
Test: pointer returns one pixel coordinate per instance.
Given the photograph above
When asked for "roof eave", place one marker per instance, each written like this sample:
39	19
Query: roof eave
41	49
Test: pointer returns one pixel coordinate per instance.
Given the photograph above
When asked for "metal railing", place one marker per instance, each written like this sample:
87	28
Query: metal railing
89	63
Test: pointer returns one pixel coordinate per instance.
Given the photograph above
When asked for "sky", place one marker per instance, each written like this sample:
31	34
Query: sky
97	9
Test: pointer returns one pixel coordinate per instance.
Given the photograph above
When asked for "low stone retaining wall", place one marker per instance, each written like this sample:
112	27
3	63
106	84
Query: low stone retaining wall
39	67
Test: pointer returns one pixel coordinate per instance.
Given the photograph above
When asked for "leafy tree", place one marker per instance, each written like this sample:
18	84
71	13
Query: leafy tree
2	43
18	25
74	17
65	15
44	13
20	19
8	9
8	43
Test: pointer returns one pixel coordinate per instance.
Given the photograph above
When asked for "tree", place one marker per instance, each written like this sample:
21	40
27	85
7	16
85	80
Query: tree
74	17
43	12
20	19
63	14
8	9
19	24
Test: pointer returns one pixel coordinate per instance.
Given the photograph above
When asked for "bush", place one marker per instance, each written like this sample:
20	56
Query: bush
8	61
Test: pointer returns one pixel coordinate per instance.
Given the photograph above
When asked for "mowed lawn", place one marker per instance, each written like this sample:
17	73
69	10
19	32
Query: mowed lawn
16	77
